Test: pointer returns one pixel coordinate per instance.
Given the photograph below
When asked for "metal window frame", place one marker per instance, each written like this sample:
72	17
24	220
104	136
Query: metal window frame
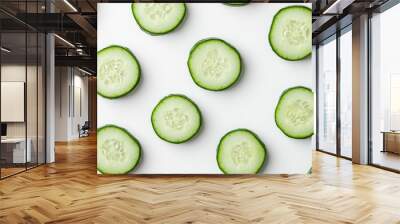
334	37
389	4
44	74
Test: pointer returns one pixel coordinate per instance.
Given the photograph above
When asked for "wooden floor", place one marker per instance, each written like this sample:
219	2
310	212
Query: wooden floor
69	191
387	159
5	172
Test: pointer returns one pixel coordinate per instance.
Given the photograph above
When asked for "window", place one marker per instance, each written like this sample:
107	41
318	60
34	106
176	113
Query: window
394	102
346	93
385	90
327	97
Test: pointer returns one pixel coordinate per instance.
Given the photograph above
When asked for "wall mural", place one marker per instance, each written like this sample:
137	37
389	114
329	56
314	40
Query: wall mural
204	88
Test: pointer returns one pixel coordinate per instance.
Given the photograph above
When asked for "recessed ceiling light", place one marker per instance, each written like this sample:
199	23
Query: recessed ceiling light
64	40
70	5
337	7
84	71
5	50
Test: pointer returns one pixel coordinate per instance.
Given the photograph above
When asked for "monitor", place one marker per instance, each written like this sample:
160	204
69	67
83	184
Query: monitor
3	129
12	98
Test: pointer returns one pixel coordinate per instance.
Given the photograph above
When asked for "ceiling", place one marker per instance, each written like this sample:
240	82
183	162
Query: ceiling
330	16
75	23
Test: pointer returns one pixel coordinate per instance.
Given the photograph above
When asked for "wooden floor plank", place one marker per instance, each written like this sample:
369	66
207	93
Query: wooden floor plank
69	191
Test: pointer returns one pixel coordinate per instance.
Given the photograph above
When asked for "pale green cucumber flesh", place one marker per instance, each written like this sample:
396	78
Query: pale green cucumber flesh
176	119
158	18
240	151
294	114
118	152
118	72
290	33
214	64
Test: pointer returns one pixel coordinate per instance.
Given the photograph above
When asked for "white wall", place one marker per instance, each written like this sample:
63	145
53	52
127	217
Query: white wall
69	82
16	72
79	117
62	81
12	73
33	127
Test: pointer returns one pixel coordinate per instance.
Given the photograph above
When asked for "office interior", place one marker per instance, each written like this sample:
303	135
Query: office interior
48	105
48	80
45	88
334	75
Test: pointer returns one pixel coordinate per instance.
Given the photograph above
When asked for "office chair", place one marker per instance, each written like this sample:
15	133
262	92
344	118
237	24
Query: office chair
84	130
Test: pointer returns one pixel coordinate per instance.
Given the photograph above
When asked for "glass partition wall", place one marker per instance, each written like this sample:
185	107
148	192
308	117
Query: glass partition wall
13	110
385	90
334	105
22	77
334	90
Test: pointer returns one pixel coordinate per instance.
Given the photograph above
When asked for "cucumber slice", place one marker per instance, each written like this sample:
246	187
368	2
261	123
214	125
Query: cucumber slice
240	151
290	33
294	114
118	72
214	64
176	119
118	152
158	18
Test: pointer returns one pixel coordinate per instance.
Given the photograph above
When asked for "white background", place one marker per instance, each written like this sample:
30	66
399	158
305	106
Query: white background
249	104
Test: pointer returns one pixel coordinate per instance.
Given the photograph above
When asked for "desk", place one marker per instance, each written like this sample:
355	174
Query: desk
391	142
18	151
